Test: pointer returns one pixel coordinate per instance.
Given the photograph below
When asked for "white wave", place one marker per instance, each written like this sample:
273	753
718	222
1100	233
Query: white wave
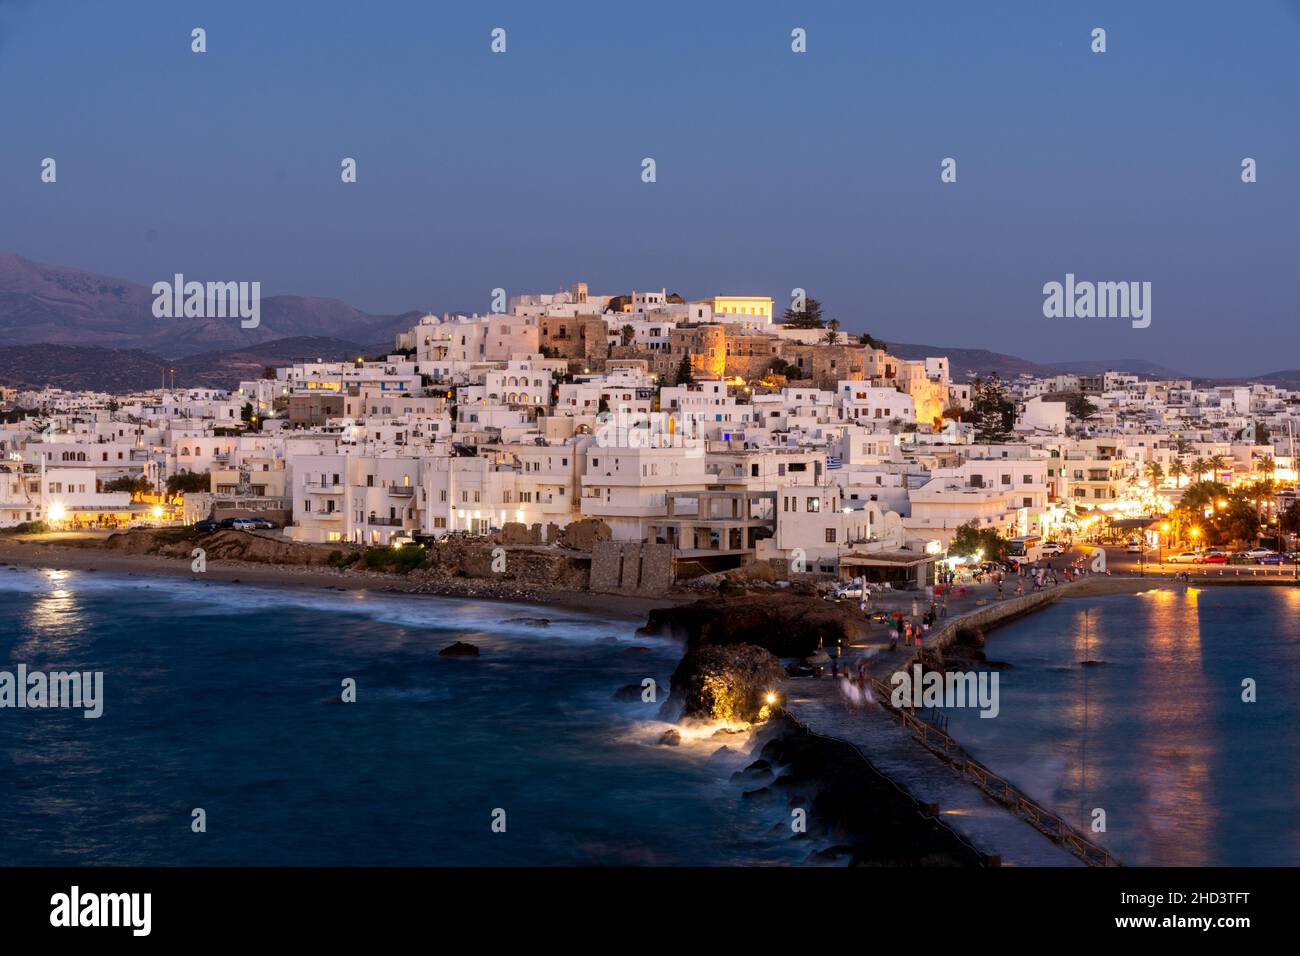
420	612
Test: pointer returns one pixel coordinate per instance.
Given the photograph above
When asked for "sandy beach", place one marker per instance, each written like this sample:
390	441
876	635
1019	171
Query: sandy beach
31	552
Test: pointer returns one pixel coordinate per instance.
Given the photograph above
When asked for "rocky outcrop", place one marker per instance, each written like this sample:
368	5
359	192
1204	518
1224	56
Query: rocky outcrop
788	625
459	558
459	649
852	805
219	546
726	683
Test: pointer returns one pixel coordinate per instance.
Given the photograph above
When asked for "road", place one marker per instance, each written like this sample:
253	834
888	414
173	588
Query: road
1119	562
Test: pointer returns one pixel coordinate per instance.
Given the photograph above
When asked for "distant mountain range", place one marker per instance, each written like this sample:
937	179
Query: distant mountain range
82	367
966	364
79	330
42	303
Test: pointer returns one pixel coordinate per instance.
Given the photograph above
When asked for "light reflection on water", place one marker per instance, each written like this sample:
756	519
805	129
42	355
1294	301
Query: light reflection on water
1157	734
226	697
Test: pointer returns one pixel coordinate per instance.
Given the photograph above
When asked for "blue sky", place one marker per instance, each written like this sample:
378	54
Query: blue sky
775	170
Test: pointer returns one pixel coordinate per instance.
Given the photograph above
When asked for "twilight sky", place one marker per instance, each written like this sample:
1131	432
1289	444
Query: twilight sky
775	169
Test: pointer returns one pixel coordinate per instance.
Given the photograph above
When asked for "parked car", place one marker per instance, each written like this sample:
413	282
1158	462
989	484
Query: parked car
1183	557
228	522
1212	557
244	524
263	524
401	539
206	525
1257	553
1053	547
1271	558
1134	547
851	590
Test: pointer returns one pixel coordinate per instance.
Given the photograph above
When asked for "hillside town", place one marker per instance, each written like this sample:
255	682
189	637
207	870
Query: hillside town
707	435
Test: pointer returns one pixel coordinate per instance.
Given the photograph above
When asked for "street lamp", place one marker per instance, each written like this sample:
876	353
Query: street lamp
1160	540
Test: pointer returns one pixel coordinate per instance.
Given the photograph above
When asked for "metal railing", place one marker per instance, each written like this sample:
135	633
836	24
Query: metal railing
996	787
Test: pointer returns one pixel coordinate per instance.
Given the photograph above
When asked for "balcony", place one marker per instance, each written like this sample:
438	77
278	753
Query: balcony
400	491
381	522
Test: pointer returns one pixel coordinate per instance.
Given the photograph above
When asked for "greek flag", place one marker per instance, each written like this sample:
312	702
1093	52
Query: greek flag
832	462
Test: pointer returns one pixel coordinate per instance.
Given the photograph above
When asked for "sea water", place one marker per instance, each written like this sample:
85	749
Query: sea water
227	698
1156	735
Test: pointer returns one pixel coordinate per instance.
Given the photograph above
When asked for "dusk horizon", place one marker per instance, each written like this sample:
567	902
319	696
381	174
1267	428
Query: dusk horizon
774	171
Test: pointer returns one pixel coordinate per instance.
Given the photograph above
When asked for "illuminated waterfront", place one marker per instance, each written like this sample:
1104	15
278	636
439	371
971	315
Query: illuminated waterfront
1157	735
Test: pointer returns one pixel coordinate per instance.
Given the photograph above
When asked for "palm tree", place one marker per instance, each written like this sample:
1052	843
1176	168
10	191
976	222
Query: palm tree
1199	467
1217	463
1267	465
1176	471
832	336
1156	472
1182	446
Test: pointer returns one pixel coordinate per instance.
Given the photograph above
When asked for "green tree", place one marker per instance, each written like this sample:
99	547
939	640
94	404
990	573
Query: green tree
1176	471
1225	517
810	317
992	410
970	541
1080	406
1289	520
871	342
627	333
685	376
134	486
188	482
779	366
1155	471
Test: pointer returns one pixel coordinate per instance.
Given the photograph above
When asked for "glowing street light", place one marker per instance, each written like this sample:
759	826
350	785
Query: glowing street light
57	512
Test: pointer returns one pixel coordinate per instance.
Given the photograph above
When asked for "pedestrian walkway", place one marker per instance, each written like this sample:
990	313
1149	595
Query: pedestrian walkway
888	746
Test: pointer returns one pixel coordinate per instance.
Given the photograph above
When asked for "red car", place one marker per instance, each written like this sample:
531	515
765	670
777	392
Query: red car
1213	557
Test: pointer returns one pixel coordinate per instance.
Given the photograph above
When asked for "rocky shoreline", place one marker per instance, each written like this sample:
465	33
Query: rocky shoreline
832	796
857	814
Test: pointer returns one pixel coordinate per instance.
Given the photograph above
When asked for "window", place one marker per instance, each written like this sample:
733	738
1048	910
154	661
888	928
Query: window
814	505
830	535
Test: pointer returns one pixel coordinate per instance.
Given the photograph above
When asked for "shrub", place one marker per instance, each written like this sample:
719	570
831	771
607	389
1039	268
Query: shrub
28	527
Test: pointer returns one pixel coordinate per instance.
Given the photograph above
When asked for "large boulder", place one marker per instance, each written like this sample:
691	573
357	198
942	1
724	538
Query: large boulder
459	649
786	624
726	683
